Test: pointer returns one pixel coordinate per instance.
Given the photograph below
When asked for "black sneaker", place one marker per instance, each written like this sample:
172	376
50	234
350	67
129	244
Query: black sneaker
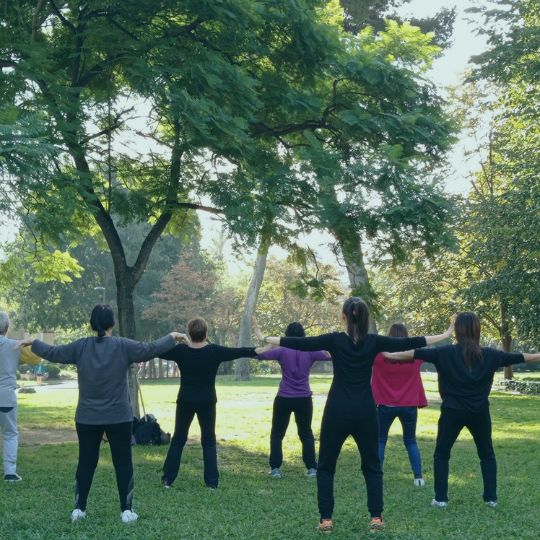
12	477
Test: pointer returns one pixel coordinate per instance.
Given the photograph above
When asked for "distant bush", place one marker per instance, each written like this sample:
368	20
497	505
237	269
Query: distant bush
53	371
528	387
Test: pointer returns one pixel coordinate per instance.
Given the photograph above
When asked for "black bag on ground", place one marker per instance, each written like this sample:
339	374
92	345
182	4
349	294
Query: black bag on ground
148	431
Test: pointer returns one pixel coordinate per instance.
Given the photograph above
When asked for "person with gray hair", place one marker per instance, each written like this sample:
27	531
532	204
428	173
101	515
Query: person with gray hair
10	357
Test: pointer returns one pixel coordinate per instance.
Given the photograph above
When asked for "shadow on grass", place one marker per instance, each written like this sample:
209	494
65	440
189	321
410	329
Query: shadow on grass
229	380
250	504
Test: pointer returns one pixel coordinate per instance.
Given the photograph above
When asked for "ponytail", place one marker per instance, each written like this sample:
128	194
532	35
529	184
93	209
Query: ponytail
101	319
356	312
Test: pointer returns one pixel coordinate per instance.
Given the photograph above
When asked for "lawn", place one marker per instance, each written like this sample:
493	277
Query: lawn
248	503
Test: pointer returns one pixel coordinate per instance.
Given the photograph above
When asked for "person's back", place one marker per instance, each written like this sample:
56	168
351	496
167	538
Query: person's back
9	362
102	366
353	362
198	370
463	387
397	384
295	369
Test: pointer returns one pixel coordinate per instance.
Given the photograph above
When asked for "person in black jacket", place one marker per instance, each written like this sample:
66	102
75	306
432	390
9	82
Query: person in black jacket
465	377
198	363
350	408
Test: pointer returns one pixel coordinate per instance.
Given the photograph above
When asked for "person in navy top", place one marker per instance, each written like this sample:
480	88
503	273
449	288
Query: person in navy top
465	373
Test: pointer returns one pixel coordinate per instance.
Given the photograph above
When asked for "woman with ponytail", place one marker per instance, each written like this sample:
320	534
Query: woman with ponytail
350	408
465	375
104	405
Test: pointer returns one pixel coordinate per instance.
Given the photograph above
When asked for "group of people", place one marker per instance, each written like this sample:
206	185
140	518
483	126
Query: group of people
376	379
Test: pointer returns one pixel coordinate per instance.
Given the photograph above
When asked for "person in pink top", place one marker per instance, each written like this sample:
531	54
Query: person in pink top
398	392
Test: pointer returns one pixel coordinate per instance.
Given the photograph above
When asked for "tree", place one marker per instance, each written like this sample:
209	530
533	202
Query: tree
492	270
374	13
222	81
510	65
78	63
286	297
54	291
197	286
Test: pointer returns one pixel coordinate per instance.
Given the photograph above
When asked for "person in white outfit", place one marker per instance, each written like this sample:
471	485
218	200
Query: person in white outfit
10	356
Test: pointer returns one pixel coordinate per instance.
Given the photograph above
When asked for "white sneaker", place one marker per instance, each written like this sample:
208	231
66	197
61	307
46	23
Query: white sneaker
311	473
129	516
77	514
275	473
439	504
492	504
419	482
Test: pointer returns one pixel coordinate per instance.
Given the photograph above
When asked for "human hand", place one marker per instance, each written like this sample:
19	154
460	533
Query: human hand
452	324
23	343
178	336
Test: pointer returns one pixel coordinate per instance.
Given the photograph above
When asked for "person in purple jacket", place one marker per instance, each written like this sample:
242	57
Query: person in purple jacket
294	396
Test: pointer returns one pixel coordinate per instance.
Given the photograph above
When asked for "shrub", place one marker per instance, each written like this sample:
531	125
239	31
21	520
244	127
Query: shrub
53	371
522	386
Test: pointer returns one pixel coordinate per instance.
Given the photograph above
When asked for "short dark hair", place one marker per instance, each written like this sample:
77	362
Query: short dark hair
295	329
398	330
101	319
197	329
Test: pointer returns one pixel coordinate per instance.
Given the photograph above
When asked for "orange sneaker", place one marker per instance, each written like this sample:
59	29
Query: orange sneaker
325	526
376	524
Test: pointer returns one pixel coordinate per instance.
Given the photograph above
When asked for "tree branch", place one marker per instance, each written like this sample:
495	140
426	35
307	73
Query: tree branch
68	24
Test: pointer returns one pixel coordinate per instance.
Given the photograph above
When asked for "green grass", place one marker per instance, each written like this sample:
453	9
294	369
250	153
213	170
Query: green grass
248	503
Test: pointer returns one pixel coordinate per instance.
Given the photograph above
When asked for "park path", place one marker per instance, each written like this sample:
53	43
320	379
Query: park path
36	436
39	436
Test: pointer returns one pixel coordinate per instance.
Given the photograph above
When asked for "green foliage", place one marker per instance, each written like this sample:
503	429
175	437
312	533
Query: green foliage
375	13
286	296
62	303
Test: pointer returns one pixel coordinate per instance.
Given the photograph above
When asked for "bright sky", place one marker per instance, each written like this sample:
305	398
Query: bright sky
446	72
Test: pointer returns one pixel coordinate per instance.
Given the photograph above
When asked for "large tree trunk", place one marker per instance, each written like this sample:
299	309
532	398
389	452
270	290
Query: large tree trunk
127	328
506	339
241	368
350	245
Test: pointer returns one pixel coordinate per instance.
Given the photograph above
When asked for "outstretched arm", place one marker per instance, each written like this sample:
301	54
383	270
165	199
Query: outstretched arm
404	356
317	343
430	340
532	357
142	351
264	353
61	354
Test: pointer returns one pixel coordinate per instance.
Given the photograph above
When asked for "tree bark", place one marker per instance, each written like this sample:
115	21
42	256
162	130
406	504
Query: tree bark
349	240
506	338
127	328
241	367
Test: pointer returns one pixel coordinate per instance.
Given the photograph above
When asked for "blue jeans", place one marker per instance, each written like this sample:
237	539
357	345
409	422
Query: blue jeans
408	417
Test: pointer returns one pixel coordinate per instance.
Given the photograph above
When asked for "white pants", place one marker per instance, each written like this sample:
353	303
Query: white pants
8	425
